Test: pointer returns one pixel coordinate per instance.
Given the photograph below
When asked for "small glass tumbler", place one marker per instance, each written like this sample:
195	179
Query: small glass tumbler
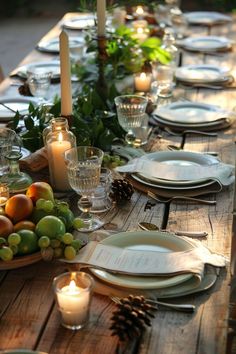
73	294
4	193
100	199
39	83
165	79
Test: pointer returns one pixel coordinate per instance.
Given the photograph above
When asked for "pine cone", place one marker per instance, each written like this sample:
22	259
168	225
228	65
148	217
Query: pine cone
24	90
131	317
121	191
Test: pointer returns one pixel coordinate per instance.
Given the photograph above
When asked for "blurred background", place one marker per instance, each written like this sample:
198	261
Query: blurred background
24	22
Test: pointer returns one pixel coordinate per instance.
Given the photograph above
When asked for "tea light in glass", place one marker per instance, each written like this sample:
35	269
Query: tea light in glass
73	294
142	82
4	193
140	34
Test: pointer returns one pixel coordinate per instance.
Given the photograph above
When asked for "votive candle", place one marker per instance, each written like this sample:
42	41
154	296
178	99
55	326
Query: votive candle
142	82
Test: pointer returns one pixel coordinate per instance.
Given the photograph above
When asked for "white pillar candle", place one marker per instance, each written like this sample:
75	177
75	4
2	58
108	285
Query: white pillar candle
57	166
142	82
101	17
66	94
74	304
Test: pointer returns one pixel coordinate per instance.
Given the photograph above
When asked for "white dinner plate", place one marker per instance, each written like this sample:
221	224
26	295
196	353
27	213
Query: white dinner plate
145	240
41	66
191	113
206	17
17	103
178	158
52	46
202	74
79	23
206	43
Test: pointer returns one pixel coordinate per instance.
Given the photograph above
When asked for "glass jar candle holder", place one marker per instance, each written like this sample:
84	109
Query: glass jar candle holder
73	294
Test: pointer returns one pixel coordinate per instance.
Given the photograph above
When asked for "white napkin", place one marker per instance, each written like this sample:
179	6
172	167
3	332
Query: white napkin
219	171
147	263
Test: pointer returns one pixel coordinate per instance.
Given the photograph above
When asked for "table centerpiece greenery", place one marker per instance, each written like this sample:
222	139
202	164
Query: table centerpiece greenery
94	118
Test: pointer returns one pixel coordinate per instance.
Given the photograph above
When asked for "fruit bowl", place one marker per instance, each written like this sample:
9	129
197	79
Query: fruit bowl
21	261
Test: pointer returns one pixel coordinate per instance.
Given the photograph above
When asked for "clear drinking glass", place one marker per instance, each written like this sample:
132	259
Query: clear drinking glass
83	168
101	200
165	79
131	113
39	83
7	139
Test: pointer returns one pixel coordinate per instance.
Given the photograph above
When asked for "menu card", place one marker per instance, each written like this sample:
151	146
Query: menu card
147	263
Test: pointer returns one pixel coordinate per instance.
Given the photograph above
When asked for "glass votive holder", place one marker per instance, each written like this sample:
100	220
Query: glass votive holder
165	80
4	193
100	199
73	294
142	82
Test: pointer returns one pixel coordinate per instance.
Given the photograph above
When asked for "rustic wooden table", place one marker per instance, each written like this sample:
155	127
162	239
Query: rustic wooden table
28	314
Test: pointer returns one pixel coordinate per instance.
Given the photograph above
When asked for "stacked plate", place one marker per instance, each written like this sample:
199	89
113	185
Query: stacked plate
80	22
163	286
206	18
206	44
176	158
203	74
193	115
9	106
43	66
52	45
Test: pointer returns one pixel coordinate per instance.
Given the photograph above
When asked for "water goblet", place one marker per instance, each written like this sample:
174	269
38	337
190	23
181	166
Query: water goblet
39	82
83	168
131	113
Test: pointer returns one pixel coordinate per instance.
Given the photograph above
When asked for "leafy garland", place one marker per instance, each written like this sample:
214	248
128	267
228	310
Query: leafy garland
94	119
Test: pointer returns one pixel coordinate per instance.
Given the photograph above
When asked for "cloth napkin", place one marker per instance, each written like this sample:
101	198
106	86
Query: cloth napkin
147	263
196	283
161	170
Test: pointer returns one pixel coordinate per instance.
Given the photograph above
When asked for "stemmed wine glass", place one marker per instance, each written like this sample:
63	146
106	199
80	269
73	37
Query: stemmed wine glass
39	83
10	149
131	113
83	168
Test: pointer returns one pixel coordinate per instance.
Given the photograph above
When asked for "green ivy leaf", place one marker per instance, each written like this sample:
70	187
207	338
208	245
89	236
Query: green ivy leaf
29	122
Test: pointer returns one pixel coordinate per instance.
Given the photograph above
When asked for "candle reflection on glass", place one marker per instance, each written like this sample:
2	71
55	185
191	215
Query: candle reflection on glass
73	294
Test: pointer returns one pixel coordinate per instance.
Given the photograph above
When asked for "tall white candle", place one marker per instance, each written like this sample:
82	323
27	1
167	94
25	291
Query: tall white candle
66	94
101	17
74	304
57	166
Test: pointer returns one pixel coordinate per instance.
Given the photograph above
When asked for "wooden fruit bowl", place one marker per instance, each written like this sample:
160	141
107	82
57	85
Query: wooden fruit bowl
21	261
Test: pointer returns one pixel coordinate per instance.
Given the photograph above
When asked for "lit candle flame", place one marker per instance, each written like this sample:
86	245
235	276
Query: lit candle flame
140	30
72	286
139	10
143	76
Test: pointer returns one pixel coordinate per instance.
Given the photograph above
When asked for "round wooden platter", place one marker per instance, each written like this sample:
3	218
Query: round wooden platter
21	261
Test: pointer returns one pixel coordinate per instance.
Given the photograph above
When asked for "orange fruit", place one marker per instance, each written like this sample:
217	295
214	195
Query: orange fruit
24	225
50	226
19	207
28	243
6	226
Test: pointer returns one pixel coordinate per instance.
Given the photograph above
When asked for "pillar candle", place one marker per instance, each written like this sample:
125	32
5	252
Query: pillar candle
66	94
101	17
142	82
57	166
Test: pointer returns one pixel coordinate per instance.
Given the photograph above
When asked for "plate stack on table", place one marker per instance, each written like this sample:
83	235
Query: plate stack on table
193	115
166	173
208	18
206	44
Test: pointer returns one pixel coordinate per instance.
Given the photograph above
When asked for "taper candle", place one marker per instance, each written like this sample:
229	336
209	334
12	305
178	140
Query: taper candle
66	94
101	17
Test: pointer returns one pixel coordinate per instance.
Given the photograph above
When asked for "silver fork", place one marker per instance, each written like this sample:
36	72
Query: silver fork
179	197
189	131
177	307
